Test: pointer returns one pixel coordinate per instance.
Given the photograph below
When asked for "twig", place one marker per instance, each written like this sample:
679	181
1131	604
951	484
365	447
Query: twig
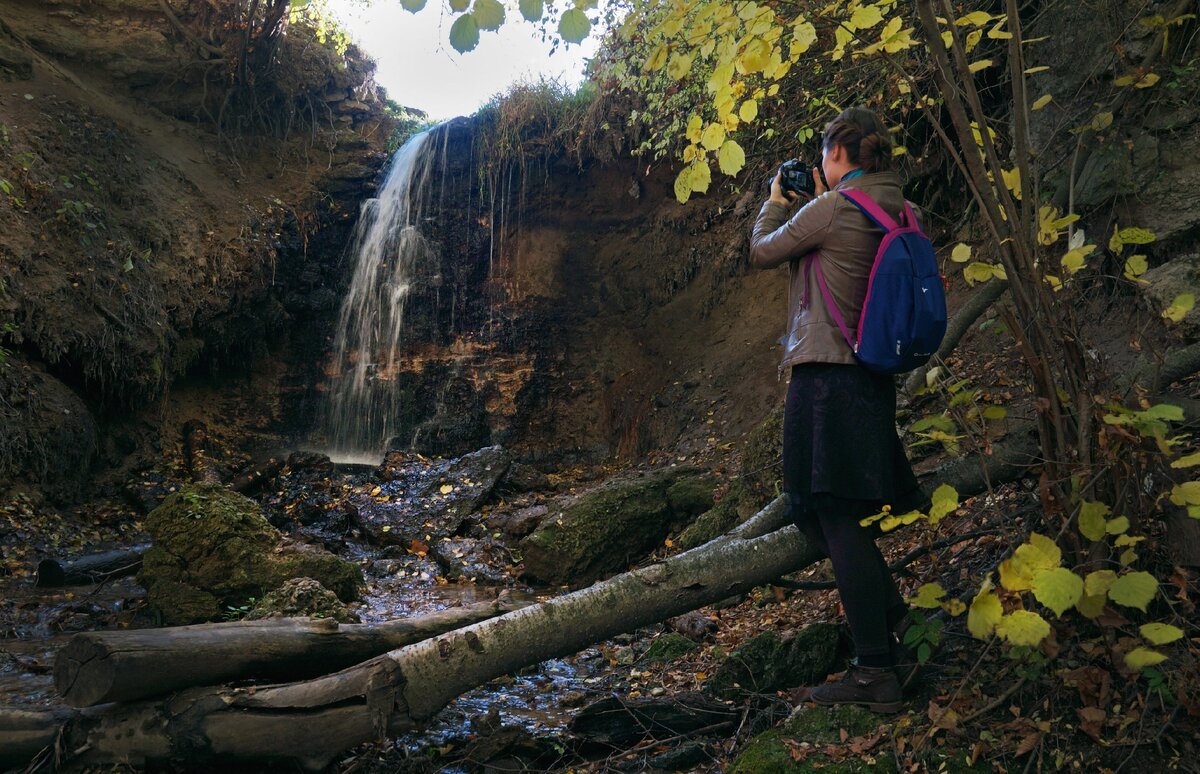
994	703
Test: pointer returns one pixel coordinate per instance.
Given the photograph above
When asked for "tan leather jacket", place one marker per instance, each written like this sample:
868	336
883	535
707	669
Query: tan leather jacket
847	243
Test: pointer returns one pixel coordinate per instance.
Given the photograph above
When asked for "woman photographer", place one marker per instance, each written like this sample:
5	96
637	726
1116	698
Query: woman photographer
842	459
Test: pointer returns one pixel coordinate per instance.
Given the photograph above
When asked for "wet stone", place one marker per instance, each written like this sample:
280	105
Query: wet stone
769	663
518	524
302	597
148	489
468	559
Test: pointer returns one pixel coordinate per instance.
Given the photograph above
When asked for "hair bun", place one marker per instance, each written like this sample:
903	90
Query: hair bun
875	152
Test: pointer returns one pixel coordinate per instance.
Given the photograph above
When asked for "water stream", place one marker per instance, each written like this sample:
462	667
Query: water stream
362	406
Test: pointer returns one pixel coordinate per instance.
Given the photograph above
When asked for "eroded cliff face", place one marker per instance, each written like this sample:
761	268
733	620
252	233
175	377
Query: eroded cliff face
145	253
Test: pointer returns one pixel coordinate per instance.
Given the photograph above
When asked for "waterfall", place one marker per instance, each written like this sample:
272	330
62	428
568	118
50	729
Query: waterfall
362	408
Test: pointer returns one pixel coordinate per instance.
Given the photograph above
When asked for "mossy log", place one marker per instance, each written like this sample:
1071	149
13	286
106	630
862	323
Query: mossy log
310	723
101	667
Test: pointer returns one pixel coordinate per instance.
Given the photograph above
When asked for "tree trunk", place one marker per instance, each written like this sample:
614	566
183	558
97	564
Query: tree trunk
90	569
312	722
101	667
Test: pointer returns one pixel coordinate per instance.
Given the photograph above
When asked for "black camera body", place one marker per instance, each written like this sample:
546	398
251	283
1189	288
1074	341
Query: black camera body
796	177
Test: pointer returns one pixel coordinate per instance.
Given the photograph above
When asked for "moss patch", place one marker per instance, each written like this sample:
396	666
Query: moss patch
668	647
214	550
768	663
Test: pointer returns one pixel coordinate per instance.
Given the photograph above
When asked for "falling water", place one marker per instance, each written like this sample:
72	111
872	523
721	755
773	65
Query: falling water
362	407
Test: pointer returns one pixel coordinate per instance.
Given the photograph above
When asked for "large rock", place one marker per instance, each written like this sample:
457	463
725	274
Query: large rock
213	550
769	663
302	597
1180	275
601	532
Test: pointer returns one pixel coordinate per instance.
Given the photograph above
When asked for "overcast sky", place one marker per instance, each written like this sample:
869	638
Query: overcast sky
419	69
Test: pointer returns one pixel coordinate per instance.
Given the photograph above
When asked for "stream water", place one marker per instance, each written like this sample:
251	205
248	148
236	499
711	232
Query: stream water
362	405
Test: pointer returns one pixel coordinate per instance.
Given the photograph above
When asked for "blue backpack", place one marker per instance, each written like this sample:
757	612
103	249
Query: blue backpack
903	316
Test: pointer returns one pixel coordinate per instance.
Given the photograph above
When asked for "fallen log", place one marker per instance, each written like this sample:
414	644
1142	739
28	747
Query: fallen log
312	722
25	734
94	568
101	667
195	453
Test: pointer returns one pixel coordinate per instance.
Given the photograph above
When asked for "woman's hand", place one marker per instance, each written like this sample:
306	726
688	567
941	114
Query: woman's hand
777	193
818	183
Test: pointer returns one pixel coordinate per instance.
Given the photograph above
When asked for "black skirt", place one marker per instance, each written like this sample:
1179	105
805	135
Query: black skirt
839	439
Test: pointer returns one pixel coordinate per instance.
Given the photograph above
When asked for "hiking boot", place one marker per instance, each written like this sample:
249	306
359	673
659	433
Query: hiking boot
876	688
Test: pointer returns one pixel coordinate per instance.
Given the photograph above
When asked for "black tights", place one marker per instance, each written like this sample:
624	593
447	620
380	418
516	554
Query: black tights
869	595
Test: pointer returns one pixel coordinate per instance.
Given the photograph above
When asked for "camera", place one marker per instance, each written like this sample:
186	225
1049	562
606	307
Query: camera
796	177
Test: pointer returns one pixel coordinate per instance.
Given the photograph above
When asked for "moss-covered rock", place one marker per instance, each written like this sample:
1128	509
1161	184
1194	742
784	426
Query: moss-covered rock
603	531
213	549
821	729
668	647
770	663
302	597
758	483
816	734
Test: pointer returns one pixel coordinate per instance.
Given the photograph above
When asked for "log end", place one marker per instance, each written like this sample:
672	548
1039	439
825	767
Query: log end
50	572
82	674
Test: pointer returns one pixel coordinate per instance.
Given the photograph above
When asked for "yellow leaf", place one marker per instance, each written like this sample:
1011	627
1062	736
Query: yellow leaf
695	126
1179	308
731	158
1092	516
961	253
979	65
1160	633
755	57
1134	590
944	501
1115	245
1099	582
657	58
1101	122
1023	627
712	137
974	19
978	272
1127	540
1187	493
1012	181
1146	81
865	17
928	596
446	489
984	613
730	122
1058	589
803	36
1135	266
1041	102
972	40
773	89
1189	461
1073	261
1054	282
1139	658
1035	70
683	185
899	150
1127	557
681	65
691	153
1136	236
701	176
997	33
954	607
748	111
1117	526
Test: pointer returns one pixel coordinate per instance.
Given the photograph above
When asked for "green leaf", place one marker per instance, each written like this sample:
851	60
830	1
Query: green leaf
1134	590
1023	627
865	17
532	9
458	6
994	413
978	272
1160	633
1179	308
1041	102
1058	589
574	25
1139	658
731	158
1117	526
412	6
489	14
944	501
1092	516
464	34
1135	266
1099	582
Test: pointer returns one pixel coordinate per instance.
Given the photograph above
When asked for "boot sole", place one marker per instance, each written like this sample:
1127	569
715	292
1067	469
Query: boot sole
886	707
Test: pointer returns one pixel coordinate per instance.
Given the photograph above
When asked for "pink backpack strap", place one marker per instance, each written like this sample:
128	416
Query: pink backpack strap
830	304
873	211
